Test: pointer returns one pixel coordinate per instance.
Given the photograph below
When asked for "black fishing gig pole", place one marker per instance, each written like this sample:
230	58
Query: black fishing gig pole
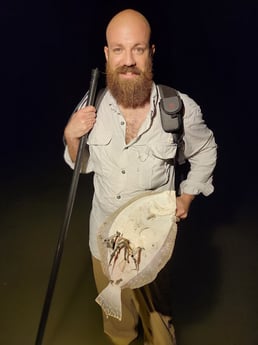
69	207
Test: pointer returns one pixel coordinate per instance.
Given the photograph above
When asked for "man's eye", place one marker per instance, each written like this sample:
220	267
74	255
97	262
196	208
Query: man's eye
117	50
139	50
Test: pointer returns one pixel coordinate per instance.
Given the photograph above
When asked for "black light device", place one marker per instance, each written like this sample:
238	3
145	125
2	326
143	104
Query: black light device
171	110
68	213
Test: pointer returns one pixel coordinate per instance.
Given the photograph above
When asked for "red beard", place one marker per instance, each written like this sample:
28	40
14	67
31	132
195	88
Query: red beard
132	93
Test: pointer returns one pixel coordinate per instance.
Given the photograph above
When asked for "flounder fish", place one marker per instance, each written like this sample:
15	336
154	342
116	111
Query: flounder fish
135	244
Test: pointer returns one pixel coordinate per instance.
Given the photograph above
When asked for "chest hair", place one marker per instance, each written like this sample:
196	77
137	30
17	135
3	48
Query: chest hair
134	118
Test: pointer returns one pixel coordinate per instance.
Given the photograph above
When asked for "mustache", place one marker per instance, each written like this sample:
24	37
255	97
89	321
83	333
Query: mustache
126	69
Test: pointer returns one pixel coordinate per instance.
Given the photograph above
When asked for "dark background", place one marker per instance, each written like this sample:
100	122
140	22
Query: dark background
207	49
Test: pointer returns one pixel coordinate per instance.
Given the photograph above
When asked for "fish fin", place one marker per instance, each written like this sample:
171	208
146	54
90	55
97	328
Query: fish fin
110	301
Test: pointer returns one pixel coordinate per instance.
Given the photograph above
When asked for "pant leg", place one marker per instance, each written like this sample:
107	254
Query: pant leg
124	331
161	305
158	328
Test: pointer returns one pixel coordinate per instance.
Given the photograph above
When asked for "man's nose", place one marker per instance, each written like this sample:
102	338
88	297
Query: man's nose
129	59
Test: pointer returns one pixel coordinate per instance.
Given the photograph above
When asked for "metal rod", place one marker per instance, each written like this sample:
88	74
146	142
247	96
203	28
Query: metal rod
67	217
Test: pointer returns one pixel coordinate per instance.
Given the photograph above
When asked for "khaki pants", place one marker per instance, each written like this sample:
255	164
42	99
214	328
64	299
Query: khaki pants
136	304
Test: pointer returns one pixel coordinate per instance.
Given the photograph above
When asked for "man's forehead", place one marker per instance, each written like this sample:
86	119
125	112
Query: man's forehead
127	35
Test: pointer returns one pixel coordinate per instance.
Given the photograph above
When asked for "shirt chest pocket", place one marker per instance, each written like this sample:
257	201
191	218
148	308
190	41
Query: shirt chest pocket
154	162
99	148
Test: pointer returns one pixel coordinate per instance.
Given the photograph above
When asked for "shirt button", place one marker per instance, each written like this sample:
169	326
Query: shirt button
122	123
118	196
123	171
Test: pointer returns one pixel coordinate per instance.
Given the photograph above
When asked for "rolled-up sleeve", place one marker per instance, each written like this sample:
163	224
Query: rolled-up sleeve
67	157
84	160
200	151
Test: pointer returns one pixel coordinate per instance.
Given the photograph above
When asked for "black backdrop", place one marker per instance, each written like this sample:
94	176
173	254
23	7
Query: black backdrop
207	49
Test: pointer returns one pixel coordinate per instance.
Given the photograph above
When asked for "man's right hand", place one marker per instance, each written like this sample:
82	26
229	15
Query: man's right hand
79	124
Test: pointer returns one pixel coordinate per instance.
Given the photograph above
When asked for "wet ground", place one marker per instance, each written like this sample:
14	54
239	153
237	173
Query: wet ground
215	280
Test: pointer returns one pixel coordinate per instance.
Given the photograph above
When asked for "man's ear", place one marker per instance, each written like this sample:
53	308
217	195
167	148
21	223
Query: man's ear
152	49
106	52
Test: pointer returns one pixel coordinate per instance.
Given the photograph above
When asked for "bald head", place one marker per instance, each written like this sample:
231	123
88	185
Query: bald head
128	22
129	58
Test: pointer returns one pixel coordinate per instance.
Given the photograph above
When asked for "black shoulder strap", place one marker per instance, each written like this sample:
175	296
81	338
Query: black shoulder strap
171	111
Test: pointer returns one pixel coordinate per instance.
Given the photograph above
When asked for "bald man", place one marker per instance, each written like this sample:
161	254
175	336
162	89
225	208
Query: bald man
129	153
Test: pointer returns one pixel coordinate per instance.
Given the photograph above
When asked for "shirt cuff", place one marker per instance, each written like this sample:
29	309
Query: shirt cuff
67	158
197	188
